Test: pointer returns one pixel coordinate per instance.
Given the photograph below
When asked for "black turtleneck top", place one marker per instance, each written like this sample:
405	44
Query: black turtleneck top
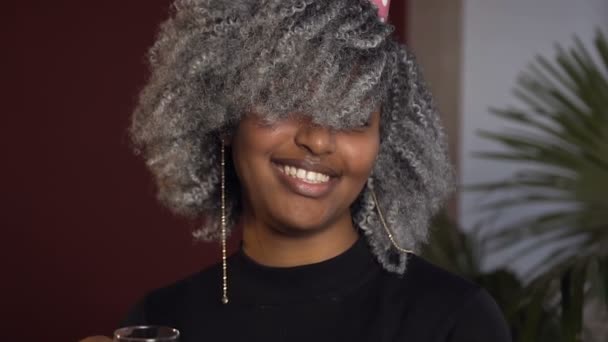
347	298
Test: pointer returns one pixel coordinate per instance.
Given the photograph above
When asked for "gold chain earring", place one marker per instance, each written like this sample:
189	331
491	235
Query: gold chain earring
223	229
388	231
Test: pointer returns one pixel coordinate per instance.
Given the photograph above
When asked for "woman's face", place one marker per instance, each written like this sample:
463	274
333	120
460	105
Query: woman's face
298	176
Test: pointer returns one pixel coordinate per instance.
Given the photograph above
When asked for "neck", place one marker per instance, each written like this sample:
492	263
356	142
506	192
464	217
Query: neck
276	247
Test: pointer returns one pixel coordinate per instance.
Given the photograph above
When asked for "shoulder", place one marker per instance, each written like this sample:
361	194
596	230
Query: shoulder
193	283
455	307
169	303
433	283
478	319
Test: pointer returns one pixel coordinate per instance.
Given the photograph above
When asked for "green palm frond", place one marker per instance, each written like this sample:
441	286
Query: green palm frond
562	136
560	141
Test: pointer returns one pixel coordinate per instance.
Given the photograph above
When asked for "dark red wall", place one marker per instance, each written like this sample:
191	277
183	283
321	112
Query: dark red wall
83	235
398	17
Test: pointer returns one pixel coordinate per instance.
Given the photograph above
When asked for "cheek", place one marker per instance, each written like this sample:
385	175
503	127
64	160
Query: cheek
252	146
360	155
244	155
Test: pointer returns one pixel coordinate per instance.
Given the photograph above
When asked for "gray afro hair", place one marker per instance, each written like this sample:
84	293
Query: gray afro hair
335	60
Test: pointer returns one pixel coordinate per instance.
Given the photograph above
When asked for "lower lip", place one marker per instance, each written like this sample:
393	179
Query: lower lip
303	188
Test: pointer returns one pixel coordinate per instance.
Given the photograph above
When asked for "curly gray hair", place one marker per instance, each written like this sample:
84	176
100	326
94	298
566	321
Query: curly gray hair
216	60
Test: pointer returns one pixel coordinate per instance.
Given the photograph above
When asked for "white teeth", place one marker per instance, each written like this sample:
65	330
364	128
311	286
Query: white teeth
311	176
308	176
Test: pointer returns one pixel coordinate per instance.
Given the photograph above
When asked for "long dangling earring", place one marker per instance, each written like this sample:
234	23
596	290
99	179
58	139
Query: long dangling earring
223	229
388	231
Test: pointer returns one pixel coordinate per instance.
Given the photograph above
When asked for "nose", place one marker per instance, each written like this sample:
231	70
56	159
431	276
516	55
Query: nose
315	139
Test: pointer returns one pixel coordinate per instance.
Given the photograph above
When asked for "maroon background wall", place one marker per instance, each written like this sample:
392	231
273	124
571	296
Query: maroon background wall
83	236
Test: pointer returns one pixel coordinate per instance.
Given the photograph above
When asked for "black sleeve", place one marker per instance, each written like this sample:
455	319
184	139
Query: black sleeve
479	320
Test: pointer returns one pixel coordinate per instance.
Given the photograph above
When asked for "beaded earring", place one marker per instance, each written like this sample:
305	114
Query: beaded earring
223	227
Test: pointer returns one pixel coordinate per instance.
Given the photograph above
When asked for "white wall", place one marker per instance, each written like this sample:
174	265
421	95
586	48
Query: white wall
501	37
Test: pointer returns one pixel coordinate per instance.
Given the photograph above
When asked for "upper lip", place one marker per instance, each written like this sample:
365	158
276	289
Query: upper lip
307	164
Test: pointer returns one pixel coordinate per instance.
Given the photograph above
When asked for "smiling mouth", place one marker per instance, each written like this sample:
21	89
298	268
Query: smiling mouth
307	176
304	182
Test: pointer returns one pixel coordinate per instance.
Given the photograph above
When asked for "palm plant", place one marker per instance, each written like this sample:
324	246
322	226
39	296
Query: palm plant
560	137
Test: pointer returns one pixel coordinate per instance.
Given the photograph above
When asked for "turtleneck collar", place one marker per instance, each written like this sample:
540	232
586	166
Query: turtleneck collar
253	283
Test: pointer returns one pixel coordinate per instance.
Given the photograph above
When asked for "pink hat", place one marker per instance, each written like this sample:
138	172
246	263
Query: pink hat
383	6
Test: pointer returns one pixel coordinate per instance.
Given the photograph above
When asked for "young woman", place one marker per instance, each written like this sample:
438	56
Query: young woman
307	126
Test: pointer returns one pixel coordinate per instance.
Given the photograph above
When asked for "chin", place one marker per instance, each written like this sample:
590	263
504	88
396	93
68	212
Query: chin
302	215
295	225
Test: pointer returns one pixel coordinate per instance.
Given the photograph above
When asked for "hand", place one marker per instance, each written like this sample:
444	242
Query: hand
97	339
